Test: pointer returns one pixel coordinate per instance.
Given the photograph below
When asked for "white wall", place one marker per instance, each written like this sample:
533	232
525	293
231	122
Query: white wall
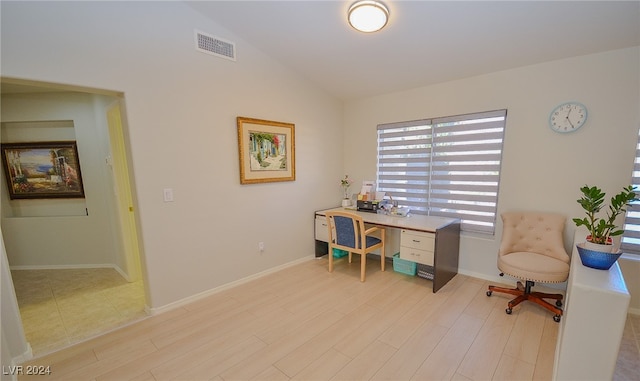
14	347
58	232
630	267
181	108
541	170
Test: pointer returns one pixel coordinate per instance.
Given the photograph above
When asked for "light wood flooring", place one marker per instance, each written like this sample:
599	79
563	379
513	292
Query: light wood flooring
303	323
628	365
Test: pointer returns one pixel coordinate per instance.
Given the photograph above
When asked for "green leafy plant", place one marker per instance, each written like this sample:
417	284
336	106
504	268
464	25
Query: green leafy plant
592	201
346	183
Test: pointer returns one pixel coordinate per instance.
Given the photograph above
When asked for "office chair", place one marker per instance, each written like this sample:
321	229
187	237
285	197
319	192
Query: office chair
347	232
532	249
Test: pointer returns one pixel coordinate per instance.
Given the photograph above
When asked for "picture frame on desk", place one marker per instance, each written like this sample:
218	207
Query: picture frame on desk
266	150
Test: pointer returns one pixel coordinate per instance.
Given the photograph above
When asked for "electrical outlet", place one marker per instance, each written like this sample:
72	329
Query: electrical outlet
261	246
168	194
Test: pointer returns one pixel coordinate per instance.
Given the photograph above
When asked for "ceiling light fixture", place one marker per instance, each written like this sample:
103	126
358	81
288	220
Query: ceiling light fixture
368	16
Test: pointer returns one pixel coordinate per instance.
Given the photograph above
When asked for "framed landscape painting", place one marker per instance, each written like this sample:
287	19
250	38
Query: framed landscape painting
42	170
267	151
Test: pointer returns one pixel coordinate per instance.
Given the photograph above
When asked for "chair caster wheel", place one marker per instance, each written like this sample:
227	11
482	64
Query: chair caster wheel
489	293
559	303
508	311
556	318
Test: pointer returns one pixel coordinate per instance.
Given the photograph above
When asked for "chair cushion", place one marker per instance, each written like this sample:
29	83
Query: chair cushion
534	232
372	241
345	235
534	267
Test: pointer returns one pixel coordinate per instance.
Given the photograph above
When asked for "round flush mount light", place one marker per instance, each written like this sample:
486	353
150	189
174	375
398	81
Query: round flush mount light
368	16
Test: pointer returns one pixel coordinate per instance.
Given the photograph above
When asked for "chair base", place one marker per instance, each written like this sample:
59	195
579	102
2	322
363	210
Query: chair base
523	292
363	263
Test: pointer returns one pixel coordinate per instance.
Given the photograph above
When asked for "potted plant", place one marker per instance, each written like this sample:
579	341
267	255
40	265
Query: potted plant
346	183
601	229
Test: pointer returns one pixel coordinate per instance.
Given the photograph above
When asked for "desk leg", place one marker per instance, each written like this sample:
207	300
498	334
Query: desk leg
447	253
322	248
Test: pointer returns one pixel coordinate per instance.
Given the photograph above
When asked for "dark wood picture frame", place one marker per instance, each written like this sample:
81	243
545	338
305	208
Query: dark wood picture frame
42	170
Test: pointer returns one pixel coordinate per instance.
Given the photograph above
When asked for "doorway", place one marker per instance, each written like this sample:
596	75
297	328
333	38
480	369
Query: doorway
72	286
117	161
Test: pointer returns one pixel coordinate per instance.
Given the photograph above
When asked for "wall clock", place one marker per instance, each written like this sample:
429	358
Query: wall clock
568	117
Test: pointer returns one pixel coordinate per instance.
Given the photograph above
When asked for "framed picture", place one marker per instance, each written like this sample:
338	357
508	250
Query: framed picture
42	170
267	151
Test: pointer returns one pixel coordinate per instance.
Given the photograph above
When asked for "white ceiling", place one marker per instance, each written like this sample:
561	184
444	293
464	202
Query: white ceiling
425	42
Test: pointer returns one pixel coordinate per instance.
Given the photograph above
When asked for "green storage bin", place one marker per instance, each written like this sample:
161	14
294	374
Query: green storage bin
338	253
403	266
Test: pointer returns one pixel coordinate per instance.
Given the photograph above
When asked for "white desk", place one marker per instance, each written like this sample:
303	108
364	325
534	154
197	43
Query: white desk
447	239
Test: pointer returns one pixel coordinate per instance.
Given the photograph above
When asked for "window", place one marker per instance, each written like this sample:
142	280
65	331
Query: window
631	237
448	167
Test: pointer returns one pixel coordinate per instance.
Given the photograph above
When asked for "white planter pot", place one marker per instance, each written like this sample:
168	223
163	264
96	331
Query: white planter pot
346	202
599	247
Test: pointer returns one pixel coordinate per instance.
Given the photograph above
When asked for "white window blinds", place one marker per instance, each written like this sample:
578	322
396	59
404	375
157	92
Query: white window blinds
447	167
631	237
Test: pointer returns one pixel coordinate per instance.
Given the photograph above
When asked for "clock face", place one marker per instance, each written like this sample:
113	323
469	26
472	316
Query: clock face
568	117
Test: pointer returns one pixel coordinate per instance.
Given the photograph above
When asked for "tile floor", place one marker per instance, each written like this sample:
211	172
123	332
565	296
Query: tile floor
63	307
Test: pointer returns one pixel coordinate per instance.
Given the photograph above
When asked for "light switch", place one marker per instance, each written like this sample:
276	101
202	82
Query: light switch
168	195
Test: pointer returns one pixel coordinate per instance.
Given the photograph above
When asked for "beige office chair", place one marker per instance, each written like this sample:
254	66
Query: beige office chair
532	249
347	232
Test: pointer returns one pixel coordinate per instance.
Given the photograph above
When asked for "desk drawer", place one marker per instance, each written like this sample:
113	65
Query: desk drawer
415	255
322	232
418	240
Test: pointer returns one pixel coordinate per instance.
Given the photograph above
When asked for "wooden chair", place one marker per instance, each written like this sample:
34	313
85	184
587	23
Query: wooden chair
532	249
347	232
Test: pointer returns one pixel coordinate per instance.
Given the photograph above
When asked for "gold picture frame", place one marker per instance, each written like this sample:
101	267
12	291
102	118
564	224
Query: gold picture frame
266	150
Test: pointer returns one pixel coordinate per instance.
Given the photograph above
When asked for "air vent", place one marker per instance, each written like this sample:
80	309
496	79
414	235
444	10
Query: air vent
209	44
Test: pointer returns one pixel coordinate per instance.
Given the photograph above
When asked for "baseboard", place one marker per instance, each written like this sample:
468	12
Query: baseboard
204	294
634	311
66	267
121	272
26	356
63	267
496	278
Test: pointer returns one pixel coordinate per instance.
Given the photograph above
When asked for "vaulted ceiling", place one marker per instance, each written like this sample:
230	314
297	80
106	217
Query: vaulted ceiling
425	42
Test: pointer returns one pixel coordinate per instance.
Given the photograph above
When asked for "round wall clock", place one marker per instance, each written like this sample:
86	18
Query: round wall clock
568	117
